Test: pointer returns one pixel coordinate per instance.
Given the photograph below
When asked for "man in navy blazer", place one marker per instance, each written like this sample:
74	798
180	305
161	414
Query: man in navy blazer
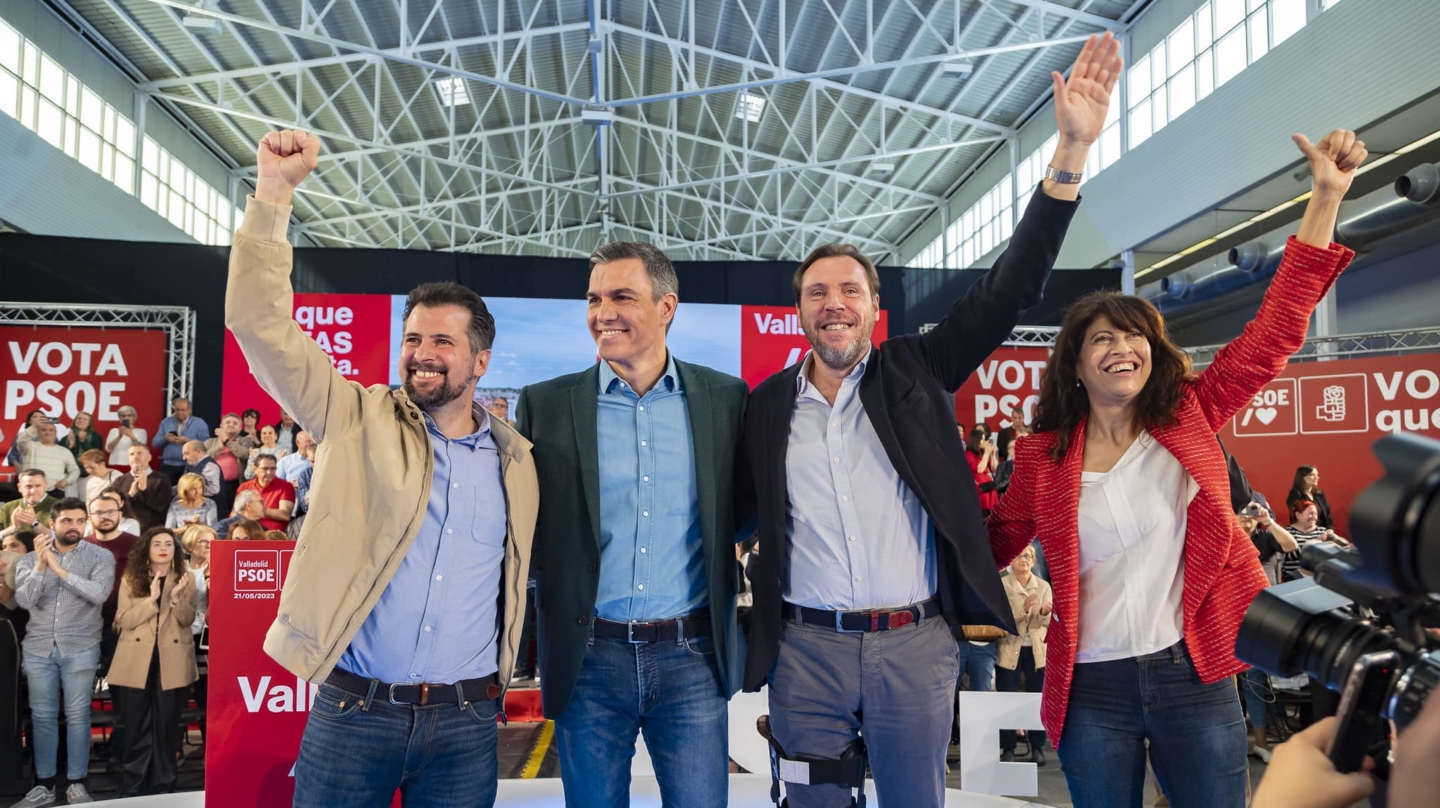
635	546
871	541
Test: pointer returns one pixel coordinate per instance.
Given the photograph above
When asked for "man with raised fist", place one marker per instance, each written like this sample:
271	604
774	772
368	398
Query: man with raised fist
405	596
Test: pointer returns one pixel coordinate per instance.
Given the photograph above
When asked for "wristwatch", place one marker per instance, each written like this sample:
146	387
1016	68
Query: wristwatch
1063	177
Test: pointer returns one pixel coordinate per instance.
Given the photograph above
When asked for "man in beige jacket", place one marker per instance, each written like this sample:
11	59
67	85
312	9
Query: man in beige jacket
407	589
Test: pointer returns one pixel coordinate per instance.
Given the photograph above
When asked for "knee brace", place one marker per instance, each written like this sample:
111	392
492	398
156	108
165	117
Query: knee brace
847	771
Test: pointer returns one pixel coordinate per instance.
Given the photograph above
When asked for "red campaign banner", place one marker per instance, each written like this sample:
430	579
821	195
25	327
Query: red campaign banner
1010	378
62	371
353	329
771	340
1327	415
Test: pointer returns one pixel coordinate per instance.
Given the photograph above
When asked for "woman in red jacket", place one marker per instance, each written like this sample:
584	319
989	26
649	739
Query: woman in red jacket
1150	570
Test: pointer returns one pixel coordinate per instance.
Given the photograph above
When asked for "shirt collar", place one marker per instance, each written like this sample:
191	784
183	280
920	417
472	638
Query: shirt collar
802	381
669	380
473	440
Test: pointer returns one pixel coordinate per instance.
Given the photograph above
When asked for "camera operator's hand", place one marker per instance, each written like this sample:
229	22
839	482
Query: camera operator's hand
1415	778
1300	774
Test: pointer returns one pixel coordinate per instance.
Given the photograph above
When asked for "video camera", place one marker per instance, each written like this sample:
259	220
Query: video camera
1359	625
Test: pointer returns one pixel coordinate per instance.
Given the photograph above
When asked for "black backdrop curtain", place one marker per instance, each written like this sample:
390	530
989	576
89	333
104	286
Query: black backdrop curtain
44	269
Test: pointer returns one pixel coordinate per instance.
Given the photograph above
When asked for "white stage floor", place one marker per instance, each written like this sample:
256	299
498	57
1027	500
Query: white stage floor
747	790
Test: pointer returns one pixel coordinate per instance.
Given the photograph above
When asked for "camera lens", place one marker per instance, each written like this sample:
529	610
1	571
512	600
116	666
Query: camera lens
1330	644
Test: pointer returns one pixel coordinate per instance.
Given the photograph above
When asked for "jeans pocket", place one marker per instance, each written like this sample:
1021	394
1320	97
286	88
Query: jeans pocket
334	704
700	646
483	712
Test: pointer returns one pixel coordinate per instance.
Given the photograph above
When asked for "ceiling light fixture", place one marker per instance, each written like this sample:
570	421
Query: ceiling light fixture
452	92
751	107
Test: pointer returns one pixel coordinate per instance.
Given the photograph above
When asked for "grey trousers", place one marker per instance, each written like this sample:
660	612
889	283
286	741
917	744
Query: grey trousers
896	688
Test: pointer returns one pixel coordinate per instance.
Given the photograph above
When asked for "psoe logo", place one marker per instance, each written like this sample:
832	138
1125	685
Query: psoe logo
257	570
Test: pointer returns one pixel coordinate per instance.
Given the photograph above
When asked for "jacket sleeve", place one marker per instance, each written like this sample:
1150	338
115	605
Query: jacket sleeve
259	302
184	612
132	612
984	316
1012	522
1262	350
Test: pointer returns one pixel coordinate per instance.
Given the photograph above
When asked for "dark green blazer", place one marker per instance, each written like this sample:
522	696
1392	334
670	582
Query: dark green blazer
559	418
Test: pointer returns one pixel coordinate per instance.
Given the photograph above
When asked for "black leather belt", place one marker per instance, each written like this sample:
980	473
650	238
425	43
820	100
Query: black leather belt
695	624
423	693
879	620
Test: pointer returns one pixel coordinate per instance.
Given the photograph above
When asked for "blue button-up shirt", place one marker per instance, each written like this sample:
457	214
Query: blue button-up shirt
438	619
290	466
859	537
651	562
173	454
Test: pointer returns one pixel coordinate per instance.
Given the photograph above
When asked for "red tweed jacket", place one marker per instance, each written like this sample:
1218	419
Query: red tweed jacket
1222	567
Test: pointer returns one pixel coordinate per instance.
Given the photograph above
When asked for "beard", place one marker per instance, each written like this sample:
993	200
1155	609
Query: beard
442	394
841	358
69	538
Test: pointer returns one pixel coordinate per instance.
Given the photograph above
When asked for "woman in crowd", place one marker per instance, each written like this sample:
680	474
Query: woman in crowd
269	446
980	453
1307	487
287	429
1305	527
98	475
1126	487
250	425
1023	654
245	530
82	437
191	506
196	540
154	661
122	437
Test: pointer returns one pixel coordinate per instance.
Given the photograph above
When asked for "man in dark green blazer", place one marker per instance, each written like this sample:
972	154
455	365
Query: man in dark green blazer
635	546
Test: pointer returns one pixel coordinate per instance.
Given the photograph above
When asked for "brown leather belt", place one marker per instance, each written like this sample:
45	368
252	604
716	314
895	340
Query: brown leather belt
420	694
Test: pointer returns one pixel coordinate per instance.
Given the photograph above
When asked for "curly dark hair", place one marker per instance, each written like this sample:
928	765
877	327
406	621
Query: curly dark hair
1063	402
137	568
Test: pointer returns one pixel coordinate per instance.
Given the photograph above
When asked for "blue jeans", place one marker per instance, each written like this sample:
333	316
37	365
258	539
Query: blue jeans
1196	734
1256	687
670	691
438	756
979	662
48	676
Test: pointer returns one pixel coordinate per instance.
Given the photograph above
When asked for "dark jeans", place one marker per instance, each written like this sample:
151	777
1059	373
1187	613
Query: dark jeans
668	690
438	756
1008	681
151	717
1196	734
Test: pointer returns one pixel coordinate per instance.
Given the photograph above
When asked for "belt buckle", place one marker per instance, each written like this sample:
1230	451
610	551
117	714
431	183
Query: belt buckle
630	633
840	626
392	694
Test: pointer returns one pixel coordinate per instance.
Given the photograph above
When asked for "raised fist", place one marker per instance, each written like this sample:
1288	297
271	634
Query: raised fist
284	159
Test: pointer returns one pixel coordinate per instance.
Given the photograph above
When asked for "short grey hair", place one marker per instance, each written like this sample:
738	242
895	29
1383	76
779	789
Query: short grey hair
245	498
663	280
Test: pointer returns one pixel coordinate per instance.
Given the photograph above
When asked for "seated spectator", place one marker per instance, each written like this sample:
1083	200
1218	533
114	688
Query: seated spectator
277	494
1031	601
39	450
122	437
1305	528
147	493
245	530
190	507
293	463
287	431
127	523
269	447
98	475
1307	487
32	510
980	453
231	451
250	420
83	437
1271	540
197	462
249	507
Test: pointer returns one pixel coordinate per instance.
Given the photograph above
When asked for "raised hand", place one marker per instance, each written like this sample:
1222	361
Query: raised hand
284	159
155	583
1333	160
1082	101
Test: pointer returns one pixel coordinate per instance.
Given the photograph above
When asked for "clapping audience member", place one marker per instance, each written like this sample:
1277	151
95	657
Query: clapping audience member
39	450
98	475
154	664
250	426
1307	487
32	510
83	437
1023	654
269	447
231	451
122	437
147	493
190	507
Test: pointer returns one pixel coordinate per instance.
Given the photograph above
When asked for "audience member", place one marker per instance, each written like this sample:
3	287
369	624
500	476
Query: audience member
98	475
63	584
82	437
155	663
190	507
500	408
231	451
277	494
1031	601
33	420
147	493
290	465
108	532
1307	487
39	450
269	447
175	431
197	540
275	535
122	437
302	486
1271	540
197	462
249	507
1018	423
287	431
980	453
245	530
1007	463
32	510
1305	528
127	522
250	426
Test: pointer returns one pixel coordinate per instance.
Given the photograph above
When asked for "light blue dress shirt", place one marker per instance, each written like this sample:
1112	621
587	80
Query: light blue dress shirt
651	562
438	619
859	538
173	454
290	466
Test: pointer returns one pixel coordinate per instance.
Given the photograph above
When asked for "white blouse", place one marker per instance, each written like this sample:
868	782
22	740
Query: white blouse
1132	554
